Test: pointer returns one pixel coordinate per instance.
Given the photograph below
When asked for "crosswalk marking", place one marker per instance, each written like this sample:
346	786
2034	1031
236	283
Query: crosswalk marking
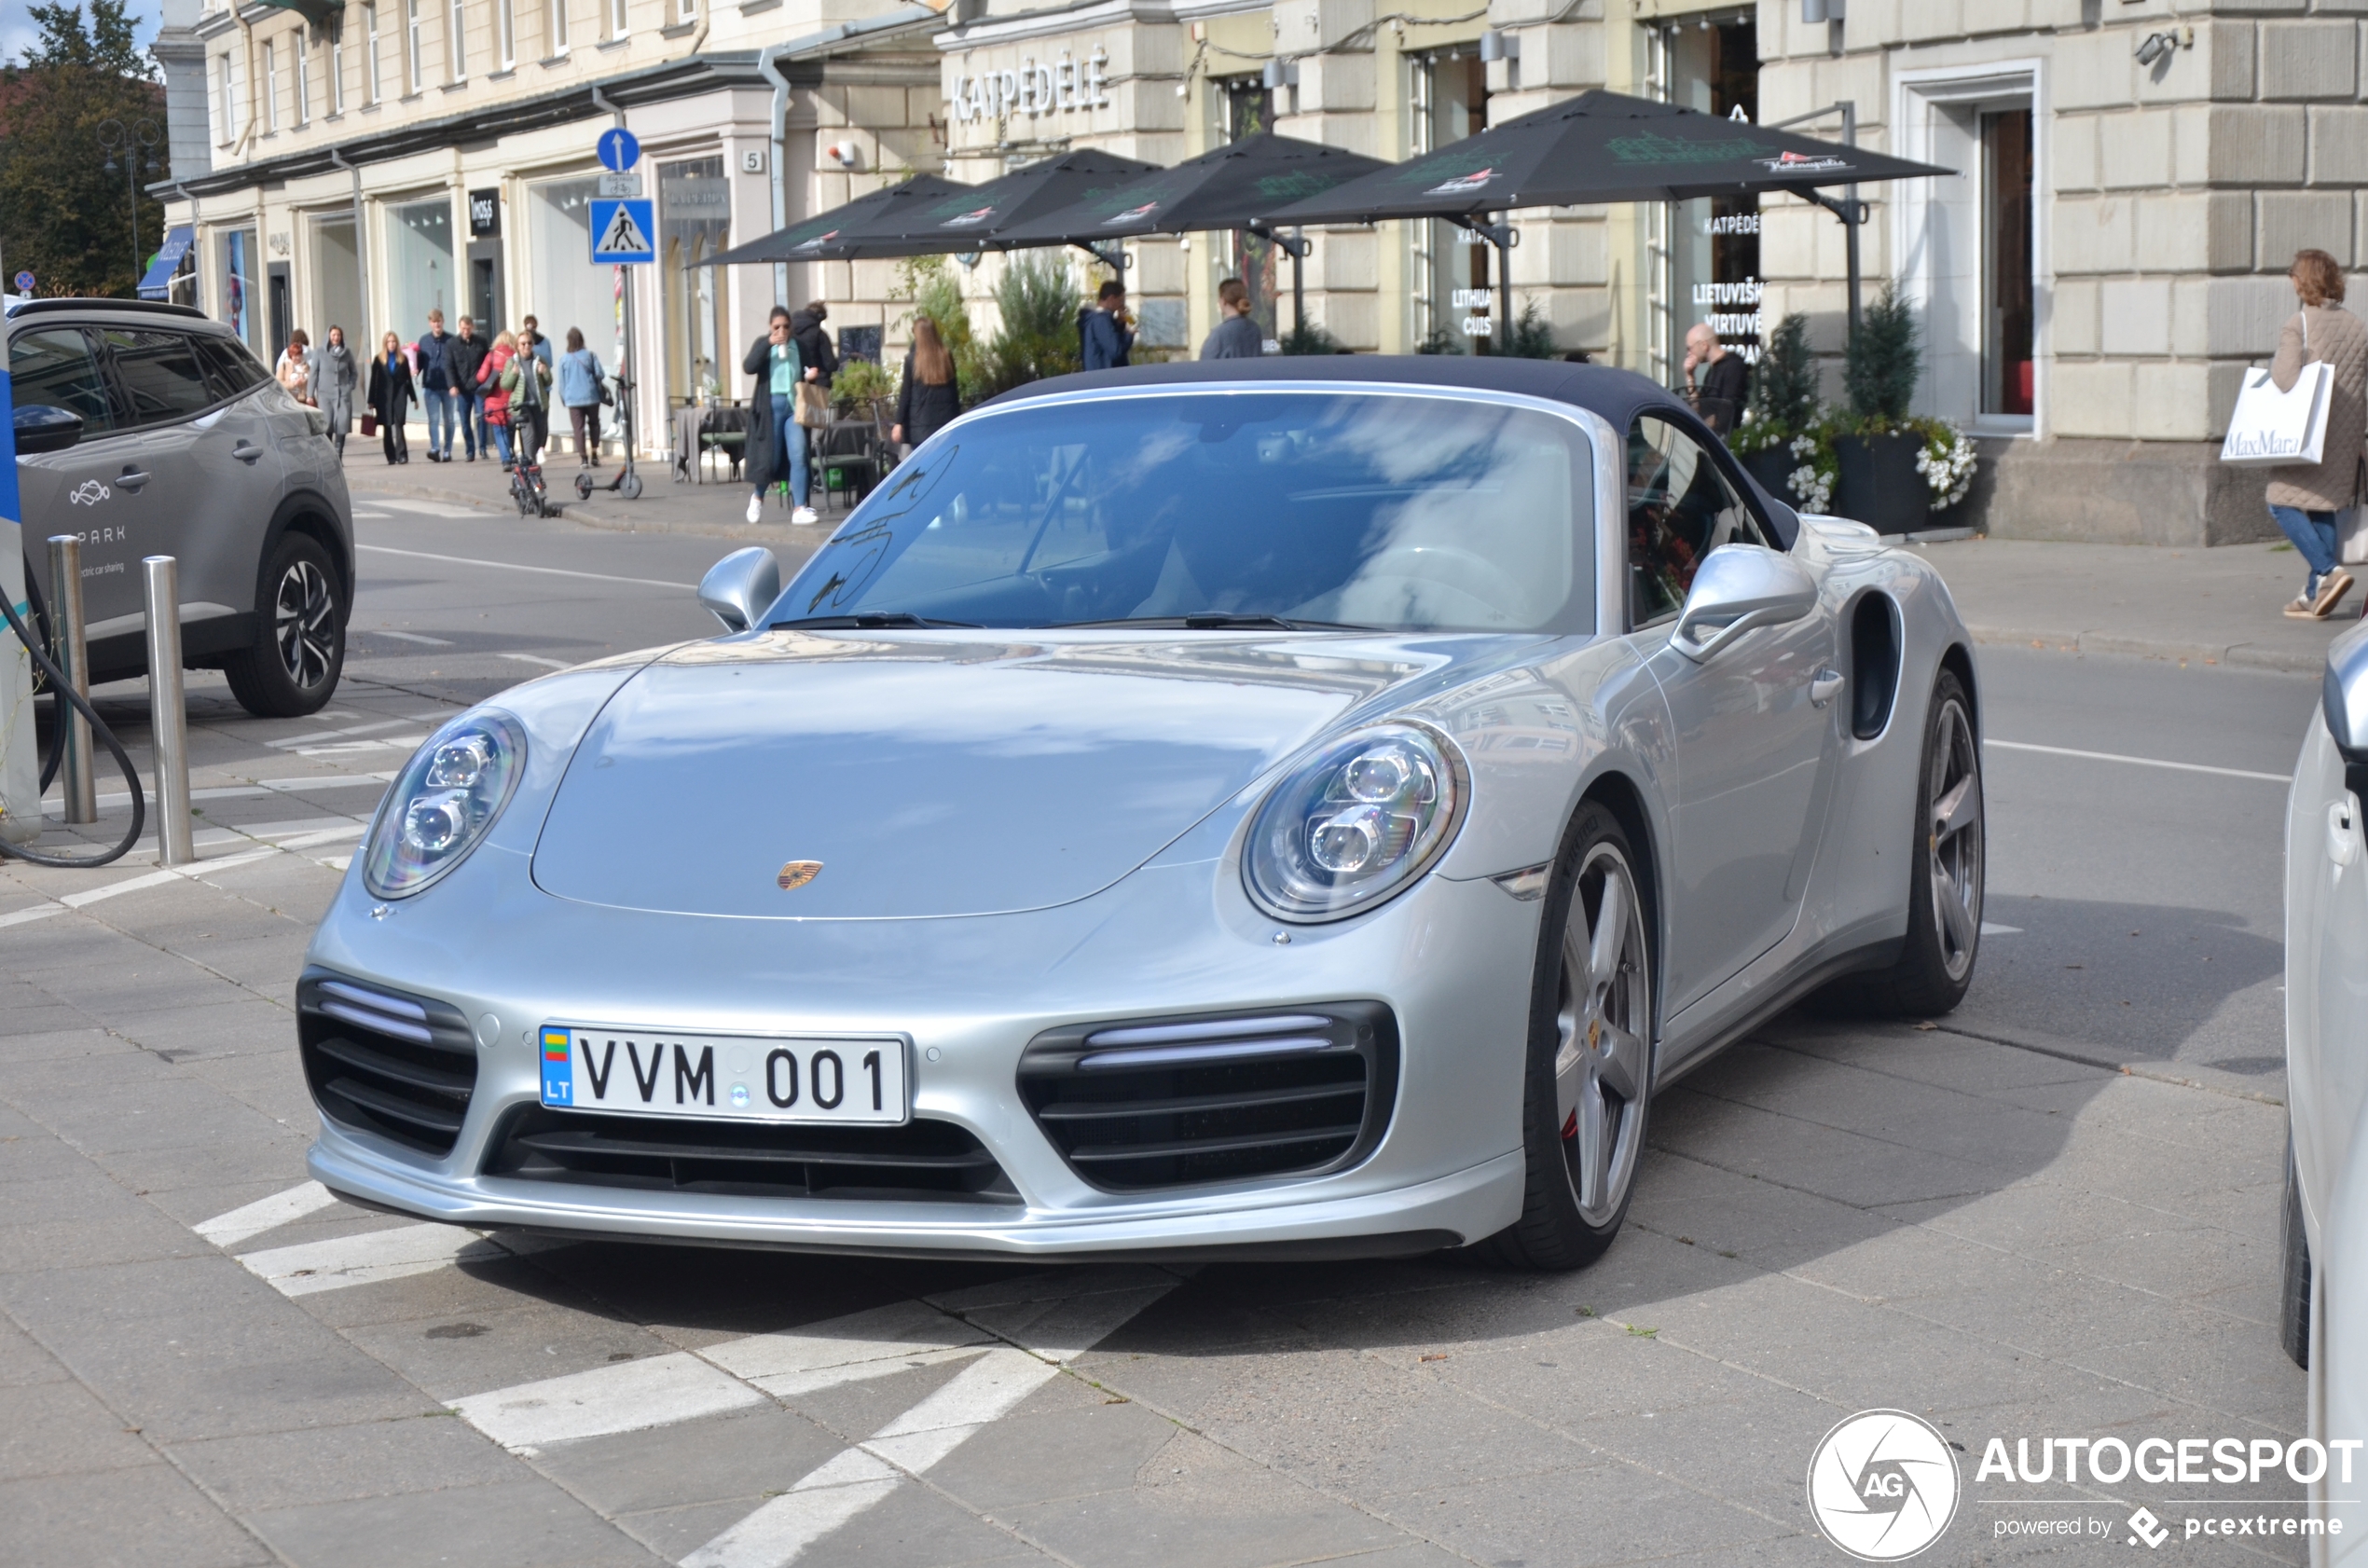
308	1268
628	1397
266	1213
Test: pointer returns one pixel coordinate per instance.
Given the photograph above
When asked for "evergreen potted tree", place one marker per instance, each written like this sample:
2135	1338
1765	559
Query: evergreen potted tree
1880	483
1784	409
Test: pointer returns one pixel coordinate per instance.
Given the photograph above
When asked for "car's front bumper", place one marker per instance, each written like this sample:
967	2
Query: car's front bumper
1451	960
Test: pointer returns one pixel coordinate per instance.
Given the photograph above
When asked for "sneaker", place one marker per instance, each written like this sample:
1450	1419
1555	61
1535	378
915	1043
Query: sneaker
804	517
756	509
2332	589
2301	611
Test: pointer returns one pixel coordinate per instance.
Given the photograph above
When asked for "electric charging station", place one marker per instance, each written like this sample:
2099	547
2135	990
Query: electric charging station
20	750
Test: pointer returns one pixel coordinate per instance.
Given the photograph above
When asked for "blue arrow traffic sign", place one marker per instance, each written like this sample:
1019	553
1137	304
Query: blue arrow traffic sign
621	232
619	149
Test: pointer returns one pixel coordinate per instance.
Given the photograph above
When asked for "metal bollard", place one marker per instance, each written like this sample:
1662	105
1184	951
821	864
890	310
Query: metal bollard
167	718
77	775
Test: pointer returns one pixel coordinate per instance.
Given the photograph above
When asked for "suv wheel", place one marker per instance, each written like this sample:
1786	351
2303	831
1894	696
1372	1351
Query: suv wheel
292	667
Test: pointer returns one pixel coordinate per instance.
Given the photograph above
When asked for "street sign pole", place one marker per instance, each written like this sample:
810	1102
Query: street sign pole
624	236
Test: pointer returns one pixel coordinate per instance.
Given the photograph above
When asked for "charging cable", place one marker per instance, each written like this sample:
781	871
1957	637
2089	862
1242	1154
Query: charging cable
63	690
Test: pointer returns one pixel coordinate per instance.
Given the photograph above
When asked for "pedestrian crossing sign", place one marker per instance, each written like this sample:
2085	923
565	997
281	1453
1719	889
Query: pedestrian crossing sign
621	232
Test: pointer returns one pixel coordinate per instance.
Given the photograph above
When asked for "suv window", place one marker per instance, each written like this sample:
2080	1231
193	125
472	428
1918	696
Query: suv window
158	375
1680	508
230	367
54	365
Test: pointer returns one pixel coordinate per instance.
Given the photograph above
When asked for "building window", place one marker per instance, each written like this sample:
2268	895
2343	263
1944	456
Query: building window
559	28
2007	263
226	96
686	10
456	28
505	34
271	86
618	24
414	57
302	47
372	87
336	66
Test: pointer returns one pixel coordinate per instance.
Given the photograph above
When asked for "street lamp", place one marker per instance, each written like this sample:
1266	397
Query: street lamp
137	141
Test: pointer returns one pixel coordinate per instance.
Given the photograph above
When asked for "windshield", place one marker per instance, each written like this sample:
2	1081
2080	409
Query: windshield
1318	509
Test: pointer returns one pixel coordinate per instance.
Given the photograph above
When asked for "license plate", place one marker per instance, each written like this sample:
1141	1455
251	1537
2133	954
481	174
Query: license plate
723	1078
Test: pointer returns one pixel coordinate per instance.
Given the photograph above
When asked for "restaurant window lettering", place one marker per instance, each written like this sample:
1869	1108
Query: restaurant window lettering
1037	87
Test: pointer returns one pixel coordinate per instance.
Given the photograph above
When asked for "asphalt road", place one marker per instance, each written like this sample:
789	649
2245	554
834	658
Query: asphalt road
1985	1221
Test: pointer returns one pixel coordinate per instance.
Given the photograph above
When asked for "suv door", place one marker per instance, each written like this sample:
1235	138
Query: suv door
99	490
212	452
1754	746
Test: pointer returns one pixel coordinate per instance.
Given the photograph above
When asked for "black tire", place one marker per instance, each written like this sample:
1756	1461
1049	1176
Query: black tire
1590	1052
2293	1291
584	486
1946	876
293	665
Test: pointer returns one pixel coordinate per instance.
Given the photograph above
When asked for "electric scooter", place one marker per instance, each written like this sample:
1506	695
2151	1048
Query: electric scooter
627	483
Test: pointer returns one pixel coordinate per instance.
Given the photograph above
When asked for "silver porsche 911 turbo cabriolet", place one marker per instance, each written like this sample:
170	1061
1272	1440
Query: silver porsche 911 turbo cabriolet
1298	809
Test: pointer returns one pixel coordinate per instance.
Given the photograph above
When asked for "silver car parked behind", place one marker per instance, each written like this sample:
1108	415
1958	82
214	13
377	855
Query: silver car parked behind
147	429
1291	809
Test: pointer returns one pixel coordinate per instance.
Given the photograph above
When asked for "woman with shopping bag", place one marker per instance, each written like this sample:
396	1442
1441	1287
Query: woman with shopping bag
2304	498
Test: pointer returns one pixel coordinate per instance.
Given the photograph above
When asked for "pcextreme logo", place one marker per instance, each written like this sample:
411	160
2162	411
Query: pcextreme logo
1884	1485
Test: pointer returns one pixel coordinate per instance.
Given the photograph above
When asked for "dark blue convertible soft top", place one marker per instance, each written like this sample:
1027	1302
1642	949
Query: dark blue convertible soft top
1618	395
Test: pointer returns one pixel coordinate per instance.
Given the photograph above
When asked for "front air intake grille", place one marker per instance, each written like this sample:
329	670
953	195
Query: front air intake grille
384	1061
1179	1102
931	1160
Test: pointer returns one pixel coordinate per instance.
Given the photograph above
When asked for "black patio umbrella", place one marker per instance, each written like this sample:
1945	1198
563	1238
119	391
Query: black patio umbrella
1602	147
827	236
1234	187
984	217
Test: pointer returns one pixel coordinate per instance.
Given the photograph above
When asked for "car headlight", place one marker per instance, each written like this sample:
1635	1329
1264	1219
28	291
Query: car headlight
1356	823
444	803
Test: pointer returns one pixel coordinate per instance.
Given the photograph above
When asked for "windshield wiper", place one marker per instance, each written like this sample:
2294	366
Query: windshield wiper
868	620
1214	620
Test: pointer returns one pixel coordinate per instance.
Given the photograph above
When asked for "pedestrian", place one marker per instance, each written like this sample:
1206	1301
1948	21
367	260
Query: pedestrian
2304	498
465	356
390	397
1717	383
435	388
815	352
1236	337
497	402
527	380
928	399
334	383
1105	332
531	330
776	448
293	368
580	377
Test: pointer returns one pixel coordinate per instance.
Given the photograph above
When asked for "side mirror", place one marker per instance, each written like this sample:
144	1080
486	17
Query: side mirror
43	427
1736	588
740	587
2344	692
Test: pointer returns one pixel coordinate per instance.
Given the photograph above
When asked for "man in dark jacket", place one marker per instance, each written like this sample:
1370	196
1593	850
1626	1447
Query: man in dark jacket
1717	383
462	354
1105	332
814	347
435	388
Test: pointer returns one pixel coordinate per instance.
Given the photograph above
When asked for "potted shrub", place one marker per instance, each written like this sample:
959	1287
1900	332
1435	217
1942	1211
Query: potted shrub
1783	408
1882	484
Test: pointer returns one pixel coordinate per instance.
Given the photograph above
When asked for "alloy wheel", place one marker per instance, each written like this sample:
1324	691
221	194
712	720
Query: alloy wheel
304	623
1953	838
1603	1062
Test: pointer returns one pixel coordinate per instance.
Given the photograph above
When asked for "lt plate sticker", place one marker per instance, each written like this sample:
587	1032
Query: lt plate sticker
724	1077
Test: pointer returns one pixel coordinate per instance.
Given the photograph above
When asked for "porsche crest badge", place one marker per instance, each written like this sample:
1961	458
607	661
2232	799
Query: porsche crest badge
797	873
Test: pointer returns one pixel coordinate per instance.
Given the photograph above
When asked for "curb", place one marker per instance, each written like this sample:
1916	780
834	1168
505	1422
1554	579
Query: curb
2241	656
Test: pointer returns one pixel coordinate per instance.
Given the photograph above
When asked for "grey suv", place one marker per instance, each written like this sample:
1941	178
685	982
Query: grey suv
149	429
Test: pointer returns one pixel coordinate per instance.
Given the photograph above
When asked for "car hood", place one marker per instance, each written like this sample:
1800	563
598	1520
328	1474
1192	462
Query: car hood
930	774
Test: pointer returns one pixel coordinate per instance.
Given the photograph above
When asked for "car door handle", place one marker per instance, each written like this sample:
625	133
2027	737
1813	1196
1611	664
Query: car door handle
1821	687
130	478
246	451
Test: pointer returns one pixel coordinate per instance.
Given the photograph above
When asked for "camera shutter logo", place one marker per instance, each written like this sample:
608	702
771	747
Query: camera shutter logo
1884	1485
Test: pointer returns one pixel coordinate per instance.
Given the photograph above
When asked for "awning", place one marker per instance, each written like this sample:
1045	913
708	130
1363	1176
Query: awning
978	217
158	285
320	13
1231	187
833	235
